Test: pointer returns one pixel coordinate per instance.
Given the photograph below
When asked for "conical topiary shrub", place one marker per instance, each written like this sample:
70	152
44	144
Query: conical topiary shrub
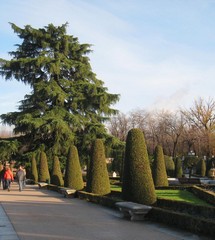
137	184
73	176
159	169
202	168
178	168
56	177
44	175
97	178
170	166
34	172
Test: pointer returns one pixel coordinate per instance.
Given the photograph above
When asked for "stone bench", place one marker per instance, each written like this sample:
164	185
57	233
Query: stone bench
134	211
42	185
68	192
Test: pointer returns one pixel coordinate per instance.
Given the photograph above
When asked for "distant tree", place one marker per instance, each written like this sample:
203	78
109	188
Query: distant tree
73	175
137	184
202	117
190	161
56	177
34	172
178	168
119	126
44	175
97	177
159	169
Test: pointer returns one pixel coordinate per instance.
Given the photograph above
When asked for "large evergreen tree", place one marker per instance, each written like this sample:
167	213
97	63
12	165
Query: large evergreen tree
67	102
73	175
137	184
97	176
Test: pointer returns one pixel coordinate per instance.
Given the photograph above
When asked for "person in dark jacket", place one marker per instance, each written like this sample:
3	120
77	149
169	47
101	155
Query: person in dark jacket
2	177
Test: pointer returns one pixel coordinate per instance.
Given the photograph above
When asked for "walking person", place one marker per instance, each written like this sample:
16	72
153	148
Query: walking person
20	175
2	177
8	177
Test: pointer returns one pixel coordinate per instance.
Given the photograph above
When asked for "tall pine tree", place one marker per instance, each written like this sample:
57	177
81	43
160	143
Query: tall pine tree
67	102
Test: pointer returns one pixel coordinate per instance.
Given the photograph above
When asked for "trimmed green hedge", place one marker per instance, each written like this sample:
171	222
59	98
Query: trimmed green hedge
184	221
208	196
189	208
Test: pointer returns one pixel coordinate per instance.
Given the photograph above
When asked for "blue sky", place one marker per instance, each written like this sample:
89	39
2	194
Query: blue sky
154	53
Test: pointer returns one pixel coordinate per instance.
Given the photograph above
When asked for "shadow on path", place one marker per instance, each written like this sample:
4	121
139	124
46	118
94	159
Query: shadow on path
43	214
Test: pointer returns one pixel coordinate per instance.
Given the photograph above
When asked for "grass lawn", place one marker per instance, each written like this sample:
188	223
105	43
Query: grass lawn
177	195
180	195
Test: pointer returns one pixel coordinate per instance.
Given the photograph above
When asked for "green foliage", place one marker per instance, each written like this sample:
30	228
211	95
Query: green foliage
56	176
97	176
67	102
73	175
159	169
34	172
7	149
117	153
44	175
137	184
190	161
170	165
201	168
178	168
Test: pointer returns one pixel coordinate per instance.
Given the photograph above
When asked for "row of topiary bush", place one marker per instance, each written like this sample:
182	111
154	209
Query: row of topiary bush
138	181
97	176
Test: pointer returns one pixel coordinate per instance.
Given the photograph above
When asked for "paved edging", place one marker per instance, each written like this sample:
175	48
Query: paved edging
7	231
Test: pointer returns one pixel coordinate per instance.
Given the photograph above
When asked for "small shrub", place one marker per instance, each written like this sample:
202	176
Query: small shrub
170	165
34	172
73	176
159	168
56	177
97	177
178	168
44	175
